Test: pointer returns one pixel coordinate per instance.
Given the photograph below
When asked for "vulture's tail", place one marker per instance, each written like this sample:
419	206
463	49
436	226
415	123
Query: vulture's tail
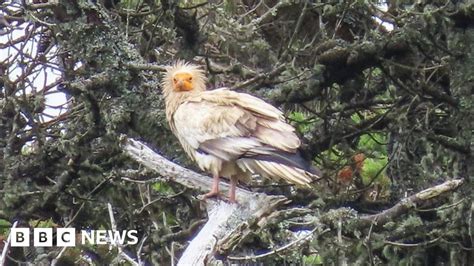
271	163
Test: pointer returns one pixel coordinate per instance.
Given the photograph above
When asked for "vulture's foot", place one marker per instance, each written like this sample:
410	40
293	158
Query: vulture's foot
212	194
218	195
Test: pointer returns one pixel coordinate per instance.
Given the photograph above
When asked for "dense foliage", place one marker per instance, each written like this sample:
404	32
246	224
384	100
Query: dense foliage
380	92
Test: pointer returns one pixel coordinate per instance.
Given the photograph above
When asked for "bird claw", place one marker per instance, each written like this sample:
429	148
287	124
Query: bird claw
218	195
212	194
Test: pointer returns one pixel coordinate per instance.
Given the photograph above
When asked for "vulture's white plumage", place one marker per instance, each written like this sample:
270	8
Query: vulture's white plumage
231	134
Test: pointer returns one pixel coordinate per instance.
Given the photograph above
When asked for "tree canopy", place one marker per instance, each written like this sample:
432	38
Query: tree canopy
381	93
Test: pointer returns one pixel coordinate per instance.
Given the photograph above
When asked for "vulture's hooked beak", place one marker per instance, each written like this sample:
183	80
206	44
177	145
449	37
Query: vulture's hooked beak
183	82
180	85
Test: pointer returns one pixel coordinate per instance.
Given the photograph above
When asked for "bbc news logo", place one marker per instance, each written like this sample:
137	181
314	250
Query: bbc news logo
66	237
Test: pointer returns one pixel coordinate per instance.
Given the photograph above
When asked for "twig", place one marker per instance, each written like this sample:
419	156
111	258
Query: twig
270	13
60	254
278	250
195	6
368	245
147	181
411	202
119	246
49	4
139	251
171	253
297	29
183	233
112	218
41	21
100	79
246	15
150	67
158	199
441	207
412	245
341	251
470	222
7	245
262	76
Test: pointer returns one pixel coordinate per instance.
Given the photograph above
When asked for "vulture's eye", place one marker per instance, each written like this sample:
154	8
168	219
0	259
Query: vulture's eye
190	78
175	80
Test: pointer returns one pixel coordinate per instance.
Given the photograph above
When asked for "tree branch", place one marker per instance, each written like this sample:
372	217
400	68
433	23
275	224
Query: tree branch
228	224
119	246
410	202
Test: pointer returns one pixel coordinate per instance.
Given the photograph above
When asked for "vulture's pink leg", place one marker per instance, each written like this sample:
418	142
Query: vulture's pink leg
233	185
214	189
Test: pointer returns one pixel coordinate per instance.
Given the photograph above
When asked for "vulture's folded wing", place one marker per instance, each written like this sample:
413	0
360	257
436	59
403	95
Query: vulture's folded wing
223	131
232	126
225	114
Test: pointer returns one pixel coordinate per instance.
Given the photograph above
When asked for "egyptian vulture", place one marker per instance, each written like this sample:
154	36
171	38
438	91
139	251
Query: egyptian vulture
231	134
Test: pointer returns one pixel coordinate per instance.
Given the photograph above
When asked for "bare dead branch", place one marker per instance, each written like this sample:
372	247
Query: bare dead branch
228	224
411	202
119	246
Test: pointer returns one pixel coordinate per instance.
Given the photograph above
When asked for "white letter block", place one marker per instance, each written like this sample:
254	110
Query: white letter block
43	237
20	237
66	237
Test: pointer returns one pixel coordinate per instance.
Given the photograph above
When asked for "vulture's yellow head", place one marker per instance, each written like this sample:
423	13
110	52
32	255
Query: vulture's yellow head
183	77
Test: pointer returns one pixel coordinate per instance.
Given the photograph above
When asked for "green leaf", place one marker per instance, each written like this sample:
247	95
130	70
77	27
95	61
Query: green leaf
162	188
303	122
4	227
42	223
373	142
373	169
313	260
